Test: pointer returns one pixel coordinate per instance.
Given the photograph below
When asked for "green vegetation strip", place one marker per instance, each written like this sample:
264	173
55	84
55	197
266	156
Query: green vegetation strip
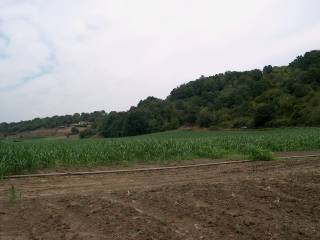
142	169
125	170
29	156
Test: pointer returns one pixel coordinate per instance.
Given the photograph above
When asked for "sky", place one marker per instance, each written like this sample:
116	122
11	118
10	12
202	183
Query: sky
66	56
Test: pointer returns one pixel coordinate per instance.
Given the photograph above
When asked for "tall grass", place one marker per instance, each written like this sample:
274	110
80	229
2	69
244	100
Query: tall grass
26	156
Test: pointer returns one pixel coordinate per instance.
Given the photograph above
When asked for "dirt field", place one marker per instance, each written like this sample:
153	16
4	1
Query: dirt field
58	133
256	200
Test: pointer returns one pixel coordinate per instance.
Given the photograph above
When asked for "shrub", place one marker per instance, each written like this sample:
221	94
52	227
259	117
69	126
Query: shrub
260	154
74	130
89	132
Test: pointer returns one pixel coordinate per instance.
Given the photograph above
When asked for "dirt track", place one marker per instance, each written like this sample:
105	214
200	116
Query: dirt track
258	200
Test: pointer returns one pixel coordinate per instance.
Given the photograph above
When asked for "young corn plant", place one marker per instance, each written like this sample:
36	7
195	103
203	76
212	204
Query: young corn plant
13	194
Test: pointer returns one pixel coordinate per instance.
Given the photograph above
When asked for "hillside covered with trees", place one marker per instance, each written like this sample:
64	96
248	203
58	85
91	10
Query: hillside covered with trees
272	97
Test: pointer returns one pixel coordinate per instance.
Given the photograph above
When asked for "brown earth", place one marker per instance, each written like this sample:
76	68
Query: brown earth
58	132
256	200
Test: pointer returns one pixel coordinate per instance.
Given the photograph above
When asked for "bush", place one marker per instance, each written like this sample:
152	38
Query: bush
243	122
214	128
282	122
89	132
260	154
74	130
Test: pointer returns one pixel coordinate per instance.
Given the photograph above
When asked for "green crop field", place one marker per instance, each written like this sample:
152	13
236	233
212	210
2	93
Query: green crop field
31	155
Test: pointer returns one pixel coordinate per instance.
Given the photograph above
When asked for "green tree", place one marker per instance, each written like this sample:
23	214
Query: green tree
264	114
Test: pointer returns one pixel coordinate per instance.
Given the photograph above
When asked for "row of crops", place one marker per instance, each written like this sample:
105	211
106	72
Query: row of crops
31	155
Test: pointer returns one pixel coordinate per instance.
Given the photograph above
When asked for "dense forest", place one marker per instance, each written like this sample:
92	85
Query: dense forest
274	97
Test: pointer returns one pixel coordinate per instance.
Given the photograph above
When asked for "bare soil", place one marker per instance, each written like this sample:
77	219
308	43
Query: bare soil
255	200
58	133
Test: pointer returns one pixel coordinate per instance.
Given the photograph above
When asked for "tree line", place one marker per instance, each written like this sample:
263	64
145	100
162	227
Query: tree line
52	122
272	97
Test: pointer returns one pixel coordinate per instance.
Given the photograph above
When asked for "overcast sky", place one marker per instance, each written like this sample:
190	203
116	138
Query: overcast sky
66	56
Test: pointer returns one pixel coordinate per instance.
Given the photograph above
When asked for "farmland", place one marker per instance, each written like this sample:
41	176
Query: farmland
39	154
253	200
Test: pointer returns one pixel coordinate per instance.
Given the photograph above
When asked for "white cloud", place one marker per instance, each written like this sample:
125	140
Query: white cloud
59	57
